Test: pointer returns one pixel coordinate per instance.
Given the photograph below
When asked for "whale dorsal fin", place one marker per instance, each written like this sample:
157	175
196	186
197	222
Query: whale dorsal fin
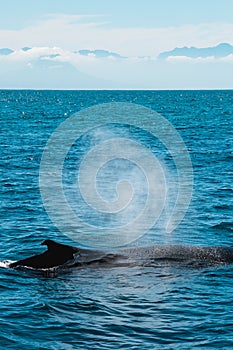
57	254
54	246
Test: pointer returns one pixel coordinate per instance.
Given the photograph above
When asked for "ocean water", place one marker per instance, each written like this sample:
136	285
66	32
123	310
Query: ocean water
144	307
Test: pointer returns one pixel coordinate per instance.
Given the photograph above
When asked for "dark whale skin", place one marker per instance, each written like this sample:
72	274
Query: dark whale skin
56	254
178	252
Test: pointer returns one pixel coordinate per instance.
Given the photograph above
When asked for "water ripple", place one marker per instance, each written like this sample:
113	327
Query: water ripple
149	307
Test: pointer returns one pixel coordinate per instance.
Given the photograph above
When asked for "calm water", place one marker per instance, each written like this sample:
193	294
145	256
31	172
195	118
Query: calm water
165	307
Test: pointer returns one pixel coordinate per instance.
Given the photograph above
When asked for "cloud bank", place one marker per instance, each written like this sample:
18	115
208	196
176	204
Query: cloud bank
84	52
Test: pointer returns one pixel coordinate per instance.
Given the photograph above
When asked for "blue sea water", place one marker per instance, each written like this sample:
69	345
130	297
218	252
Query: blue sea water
162	307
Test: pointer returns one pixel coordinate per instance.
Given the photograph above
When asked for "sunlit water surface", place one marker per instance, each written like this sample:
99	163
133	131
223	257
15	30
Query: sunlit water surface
150	307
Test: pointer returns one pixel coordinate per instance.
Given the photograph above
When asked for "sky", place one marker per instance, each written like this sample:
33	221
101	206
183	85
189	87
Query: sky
132	34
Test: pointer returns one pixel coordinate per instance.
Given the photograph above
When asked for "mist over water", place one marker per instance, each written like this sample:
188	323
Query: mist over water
117	179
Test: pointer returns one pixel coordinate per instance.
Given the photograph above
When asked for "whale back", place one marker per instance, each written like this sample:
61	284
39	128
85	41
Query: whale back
58	254
182	253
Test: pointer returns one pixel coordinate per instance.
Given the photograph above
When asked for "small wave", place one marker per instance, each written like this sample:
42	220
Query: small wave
225	189
226	226
49	272
6	263
222	206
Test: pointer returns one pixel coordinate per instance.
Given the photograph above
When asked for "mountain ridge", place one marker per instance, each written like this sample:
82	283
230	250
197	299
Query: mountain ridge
218	51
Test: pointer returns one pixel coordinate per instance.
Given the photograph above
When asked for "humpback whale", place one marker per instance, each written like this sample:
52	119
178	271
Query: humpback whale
62	255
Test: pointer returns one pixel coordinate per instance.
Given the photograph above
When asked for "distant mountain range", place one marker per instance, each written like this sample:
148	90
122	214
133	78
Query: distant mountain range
99	53
57	68
221	50
5	51
96	53
43	71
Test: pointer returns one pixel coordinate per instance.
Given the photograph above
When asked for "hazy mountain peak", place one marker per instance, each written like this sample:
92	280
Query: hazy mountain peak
220	50
26	48
6	51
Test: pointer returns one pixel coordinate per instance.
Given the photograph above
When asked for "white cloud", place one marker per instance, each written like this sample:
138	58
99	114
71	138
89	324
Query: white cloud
178	59
58	54
73	32
55	38
32	54
226	59
210	59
